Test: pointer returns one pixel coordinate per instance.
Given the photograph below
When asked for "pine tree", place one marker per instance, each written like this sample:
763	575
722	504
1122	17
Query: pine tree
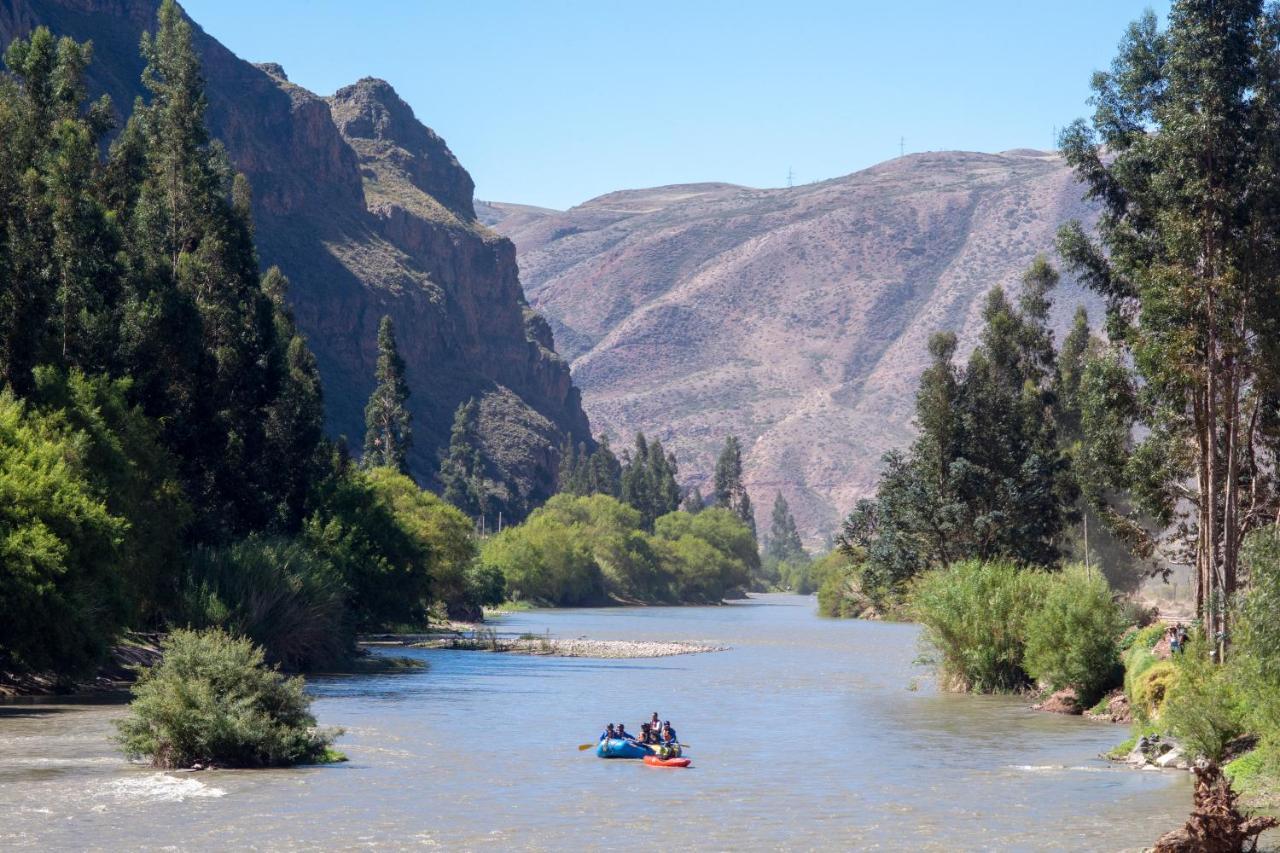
730	492
462	465
605	471
784	543
296	449
388	431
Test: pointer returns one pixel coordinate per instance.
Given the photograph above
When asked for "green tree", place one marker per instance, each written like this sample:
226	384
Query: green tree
1181	155
784	543
649	480
462	465
62	599
58	246
388	430
730	491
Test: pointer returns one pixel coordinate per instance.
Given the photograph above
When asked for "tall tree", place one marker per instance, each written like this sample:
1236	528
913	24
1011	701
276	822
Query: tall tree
462	465
58	247
388	430
1182	154
784	542
649	480
730	491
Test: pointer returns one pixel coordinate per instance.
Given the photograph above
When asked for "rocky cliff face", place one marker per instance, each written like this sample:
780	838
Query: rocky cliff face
368	213
796	318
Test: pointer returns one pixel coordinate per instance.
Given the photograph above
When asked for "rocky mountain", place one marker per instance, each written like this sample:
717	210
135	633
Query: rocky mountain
368	213
796	318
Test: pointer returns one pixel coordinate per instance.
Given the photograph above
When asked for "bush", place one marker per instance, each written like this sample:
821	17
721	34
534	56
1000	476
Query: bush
277	593
1148	689
62	595
1202	708
974	616
1256	656
385	566
213	700
1072	634
443	533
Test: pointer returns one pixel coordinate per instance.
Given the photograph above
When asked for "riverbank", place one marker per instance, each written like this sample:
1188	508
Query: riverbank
112	677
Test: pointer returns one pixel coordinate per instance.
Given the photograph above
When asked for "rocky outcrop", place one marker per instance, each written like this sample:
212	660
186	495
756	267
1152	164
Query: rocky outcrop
369	213
796	318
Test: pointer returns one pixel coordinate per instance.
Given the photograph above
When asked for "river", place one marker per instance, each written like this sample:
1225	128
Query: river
808	733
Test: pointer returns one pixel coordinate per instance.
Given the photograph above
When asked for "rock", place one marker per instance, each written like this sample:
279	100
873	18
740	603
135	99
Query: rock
1117	709
1064	701
1171	759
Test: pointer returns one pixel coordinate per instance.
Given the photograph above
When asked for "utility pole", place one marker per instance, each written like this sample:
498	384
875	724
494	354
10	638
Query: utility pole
790	178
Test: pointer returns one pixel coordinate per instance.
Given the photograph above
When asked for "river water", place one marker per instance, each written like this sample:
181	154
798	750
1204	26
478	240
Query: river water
807	734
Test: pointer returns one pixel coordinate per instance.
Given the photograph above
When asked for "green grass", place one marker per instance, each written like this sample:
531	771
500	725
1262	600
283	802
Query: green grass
1254	776
332	756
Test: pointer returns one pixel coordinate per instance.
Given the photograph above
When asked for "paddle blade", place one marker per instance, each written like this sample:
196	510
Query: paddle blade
584	746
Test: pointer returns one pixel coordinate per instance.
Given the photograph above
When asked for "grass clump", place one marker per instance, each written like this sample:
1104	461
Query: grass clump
213	700
995	626
974	615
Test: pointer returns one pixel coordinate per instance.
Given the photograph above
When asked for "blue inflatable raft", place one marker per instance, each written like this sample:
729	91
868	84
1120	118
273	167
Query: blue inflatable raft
617	748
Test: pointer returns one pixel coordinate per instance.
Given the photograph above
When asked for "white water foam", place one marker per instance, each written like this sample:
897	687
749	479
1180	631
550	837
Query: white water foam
159	788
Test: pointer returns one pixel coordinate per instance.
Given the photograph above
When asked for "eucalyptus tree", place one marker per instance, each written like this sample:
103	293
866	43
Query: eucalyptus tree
1183	155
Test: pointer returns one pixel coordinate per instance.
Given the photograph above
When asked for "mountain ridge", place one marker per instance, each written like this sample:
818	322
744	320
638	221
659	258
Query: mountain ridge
796	317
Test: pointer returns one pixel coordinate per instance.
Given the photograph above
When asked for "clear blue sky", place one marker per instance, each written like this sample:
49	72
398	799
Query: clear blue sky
552	102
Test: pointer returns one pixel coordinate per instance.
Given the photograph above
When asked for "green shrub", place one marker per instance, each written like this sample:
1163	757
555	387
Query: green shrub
276	592
1202	709
1148	689
974	616
62	595
443	533
213	700
1255	657
1072	634
385	566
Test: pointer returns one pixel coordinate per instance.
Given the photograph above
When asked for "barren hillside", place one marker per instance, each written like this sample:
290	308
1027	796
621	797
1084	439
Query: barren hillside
794	317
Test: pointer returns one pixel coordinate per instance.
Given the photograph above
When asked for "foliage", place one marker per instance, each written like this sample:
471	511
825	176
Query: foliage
462	465
443	535
388	433
1201	707
730	490
836	577
1256	653
649	480
975	616
131	472
986	478
61	597
285	598
785	562
590	472
585	550
213	700
1181	156
384	566
1072	634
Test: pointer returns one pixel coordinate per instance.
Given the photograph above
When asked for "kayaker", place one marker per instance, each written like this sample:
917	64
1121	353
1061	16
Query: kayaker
668	733
609	733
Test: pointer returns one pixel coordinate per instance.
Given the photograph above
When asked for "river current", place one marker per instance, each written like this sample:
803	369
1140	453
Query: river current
806	734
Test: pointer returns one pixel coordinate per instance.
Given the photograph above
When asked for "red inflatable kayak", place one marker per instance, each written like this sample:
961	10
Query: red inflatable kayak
655	761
